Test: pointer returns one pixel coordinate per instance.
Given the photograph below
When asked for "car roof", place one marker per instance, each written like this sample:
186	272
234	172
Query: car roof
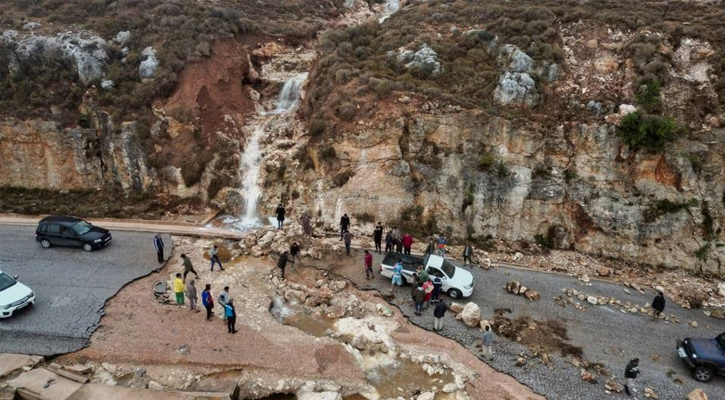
61	219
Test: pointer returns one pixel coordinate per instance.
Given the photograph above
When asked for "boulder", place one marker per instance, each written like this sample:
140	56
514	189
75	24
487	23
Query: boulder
426	396
592	300
721	289
295	296
512	59
383	310
471	314
149	65
603	271
650	394
697	394
484	323
513	287
532	295
456	308
335	312
337	286
153	385
516	88
425	59
523	289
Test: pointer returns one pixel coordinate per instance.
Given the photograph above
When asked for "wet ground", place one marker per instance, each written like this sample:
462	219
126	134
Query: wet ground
71	287
606	335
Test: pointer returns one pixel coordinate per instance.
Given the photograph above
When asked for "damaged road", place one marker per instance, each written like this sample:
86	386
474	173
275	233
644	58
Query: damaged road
71	287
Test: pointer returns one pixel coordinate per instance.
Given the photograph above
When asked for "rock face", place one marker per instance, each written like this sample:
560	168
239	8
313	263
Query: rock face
516	88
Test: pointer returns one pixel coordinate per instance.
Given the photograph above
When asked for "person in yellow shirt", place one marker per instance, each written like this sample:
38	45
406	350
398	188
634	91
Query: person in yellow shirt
179	290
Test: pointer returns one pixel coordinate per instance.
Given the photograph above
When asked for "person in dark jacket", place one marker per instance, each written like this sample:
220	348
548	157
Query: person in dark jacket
280	215
630	374
378	237
344	224
282	262
467	252
231	315
348	241
658	305
439	311
419	298
389	242
159	245
294	251
188	267
437	285
207	301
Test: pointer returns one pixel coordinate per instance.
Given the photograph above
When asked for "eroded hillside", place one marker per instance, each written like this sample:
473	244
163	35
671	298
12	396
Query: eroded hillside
593	127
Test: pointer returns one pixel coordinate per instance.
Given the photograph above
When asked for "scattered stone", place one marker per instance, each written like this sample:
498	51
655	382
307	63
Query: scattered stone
153	385
513	287
584	278
613	386
337	286
383	310
426	396
697	394
456	308
586	375
520	362
693	324
650	394
532	295
604	271
518	256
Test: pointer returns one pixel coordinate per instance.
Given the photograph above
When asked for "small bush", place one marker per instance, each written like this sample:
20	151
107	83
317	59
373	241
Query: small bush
648	96
364	217
487	162
651	132
317	127
328	154
570	175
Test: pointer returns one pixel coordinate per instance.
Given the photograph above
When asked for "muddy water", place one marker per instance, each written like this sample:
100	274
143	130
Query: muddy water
308	323
405	377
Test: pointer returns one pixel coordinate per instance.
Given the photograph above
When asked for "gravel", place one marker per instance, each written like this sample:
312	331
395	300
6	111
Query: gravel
607	335
71	287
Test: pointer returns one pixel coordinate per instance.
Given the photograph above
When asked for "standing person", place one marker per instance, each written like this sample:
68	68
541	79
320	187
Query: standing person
487	342
378	237
397	240
442	241
467	252
305	220
223	299
280	215
231	314
368	265
407	243
207	301
397	278
428	288
282	262
438	312
344	225
188	266
630	374
179	290
159	245
437	285
191	295
214	257
658	305
348	241
431	248
389	242
419	298
294	251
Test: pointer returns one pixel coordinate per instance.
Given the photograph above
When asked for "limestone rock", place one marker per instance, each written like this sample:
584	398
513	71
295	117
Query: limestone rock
456	308
425	59
697	394
335	312
512	59
471	314
522	289
149	65
426	396
337	286
603	271
513	287
721	289
153	385
650	394
516	88
319	396
592	300
383	310
295	296
122	37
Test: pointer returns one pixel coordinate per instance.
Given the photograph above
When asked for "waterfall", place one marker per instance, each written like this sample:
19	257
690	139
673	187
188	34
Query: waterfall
288	99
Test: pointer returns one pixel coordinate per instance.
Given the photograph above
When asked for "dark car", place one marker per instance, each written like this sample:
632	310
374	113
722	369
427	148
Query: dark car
71	231
706	357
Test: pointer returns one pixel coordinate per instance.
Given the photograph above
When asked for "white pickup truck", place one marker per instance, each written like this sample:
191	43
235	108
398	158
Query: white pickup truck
457	282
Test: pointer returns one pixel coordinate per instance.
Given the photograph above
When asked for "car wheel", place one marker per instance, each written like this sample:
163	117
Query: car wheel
702	373
455	293
87	247
45	243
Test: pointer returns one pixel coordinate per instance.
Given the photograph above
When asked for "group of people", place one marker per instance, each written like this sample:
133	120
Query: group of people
229	313
305	220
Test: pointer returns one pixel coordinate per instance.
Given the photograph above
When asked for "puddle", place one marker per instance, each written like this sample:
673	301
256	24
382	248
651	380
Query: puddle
225	255
405	377
309	323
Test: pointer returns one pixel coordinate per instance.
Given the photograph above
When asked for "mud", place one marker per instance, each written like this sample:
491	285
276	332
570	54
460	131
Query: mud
540	336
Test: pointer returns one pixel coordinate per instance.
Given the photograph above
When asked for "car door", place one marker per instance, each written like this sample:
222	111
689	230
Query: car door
53	234
70	237
721	359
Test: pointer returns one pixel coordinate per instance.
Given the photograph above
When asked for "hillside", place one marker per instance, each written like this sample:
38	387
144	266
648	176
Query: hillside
595	127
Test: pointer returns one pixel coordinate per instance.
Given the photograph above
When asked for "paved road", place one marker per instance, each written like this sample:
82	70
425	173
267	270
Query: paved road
607	335
71	286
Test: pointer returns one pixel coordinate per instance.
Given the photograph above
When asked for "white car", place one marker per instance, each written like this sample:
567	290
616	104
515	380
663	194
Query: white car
13	295
457	282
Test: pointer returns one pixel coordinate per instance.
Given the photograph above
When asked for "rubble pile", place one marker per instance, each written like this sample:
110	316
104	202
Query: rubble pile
515	287
572	295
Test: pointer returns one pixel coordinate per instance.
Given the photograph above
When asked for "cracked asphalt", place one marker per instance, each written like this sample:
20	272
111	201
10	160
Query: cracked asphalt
71	287
607	335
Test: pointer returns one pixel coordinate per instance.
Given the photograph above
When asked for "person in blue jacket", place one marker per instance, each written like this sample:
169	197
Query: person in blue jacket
207	300
231	315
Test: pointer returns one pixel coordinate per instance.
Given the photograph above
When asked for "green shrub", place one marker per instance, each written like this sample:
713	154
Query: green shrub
317	127
650	132
648	96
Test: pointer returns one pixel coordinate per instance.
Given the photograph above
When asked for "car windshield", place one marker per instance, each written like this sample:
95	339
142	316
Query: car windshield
6	281
82	227
448	268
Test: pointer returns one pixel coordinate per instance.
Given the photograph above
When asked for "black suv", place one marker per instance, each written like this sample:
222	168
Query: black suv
706	357
71	231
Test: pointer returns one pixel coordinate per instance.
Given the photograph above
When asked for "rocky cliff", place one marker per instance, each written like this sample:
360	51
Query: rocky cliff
559	124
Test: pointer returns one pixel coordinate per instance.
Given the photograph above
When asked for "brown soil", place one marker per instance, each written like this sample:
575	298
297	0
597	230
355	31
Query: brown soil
540	336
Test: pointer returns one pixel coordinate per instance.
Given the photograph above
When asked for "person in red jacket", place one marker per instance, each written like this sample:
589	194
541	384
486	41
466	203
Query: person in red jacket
407	243
368	265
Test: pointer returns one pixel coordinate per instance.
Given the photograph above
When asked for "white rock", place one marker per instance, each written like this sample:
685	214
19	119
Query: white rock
426	396
153	385
625	109
107	84
592	300
471	314
319	396
122	37
147	68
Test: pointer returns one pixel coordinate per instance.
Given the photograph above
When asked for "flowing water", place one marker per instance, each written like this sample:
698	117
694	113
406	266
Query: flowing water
287	100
